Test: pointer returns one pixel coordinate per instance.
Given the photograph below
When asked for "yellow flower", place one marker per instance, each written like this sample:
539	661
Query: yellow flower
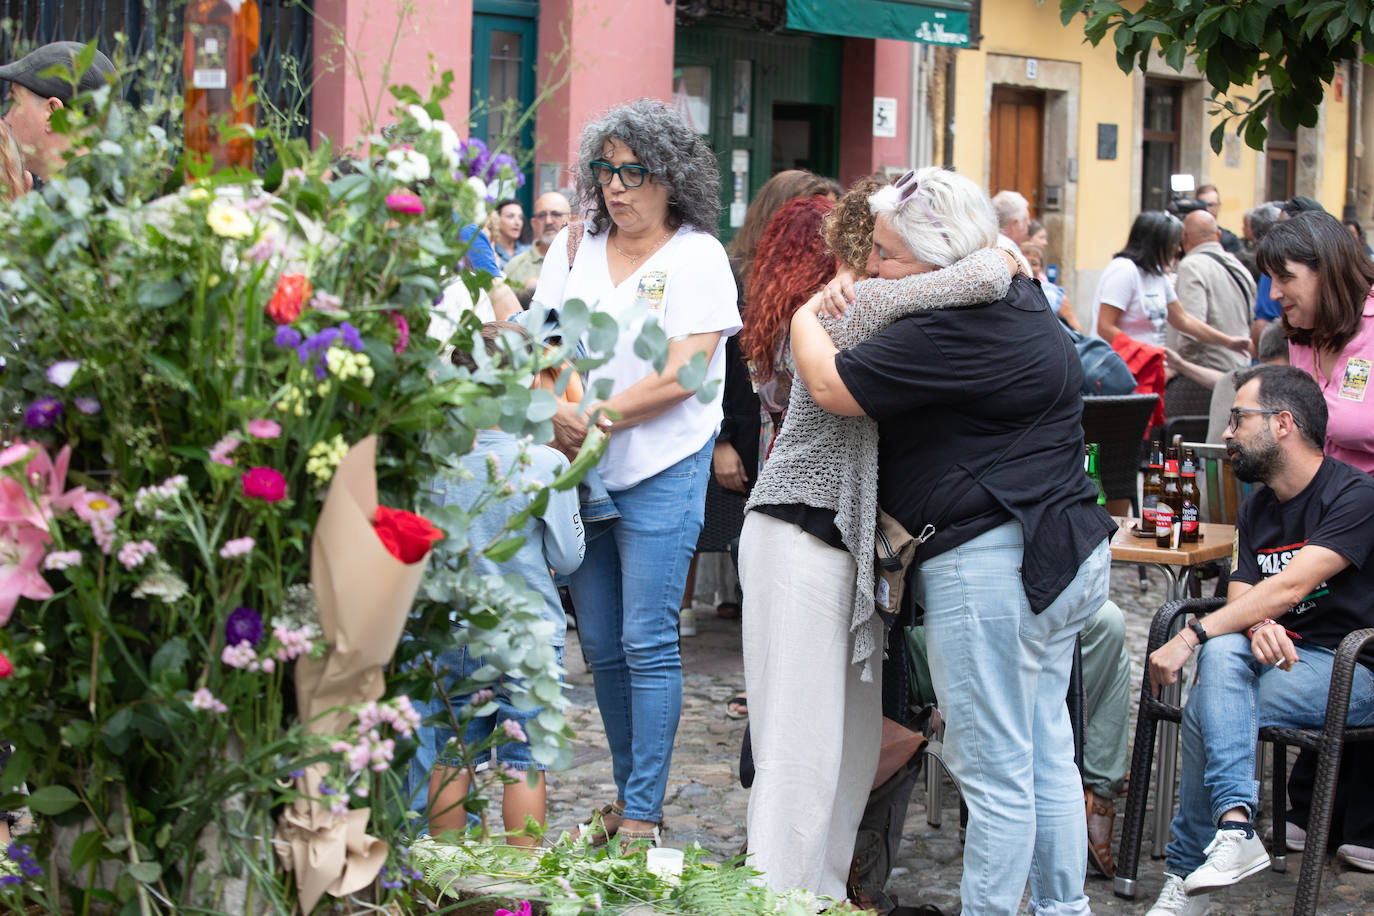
229	221
197	195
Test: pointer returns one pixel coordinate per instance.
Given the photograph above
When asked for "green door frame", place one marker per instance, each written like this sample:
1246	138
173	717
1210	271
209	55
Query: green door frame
484	23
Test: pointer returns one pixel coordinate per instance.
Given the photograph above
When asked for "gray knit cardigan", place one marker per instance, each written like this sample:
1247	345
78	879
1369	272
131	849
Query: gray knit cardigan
827	461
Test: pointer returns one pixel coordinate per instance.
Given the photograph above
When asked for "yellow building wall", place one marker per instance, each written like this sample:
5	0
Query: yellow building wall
1102	208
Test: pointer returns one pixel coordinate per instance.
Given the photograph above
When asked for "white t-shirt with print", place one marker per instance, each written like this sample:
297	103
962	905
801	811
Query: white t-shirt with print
689	289
1142	298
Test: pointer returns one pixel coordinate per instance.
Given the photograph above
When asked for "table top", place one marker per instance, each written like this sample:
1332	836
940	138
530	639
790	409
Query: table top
1215	543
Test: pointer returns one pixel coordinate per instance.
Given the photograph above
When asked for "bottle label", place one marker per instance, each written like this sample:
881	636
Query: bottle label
210	69
1164	520
209	79
1147	513
1171	468
1189	517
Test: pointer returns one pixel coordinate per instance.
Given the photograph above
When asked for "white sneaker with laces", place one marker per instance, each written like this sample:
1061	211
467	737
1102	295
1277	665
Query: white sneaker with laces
1235	853
1174	900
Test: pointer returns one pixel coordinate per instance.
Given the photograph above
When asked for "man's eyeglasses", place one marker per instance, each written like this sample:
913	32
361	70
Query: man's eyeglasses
1237	412
553	214
631	175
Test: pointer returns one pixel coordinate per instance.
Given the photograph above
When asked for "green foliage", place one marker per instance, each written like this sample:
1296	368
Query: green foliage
160	324
573	878
1294	45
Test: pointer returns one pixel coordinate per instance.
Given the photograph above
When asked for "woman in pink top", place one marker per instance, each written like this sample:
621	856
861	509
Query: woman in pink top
1322	280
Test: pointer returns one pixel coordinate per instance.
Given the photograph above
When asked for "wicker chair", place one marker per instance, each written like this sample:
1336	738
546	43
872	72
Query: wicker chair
1328	741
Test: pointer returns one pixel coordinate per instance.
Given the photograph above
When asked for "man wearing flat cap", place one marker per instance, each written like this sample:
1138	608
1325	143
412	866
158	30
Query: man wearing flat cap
35	94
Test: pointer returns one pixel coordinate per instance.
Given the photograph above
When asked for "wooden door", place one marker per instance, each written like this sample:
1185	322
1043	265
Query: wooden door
1018	127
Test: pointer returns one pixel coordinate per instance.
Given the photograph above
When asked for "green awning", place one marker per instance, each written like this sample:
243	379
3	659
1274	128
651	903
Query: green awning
931	23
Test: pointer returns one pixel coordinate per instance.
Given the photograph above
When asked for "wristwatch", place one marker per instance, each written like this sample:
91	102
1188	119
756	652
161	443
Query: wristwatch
1196	626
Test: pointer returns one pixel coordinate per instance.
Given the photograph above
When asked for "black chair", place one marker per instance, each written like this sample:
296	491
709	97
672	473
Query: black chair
1184	397
1117	424
1328	741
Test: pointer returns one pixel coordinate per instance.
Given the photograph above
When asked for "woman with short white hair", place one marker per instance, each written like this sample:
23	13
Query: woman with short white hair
812	643
980	451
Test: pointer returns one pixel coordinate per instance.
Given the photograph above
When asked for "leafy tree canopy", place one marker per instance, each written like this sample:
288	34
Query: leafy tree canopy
1294	45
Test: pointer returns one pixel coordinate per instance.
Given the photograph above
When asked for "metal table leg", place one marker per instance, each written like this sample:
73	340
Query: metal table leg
1166	753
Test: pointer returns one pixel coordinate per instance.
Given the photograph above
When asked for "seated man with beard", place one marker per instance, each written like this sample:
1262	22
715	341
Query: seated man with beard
1303	581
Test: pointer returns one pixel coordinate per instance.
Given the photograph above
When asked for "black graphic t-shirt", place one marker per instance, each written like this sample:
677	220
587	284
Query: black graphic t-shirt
1335	511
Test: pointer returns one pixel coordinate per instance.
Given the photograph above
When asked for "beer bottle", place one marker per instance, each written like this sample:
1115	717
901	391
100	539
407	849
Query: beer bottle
1189	515
220	39
1154	478
1094	474
1170	505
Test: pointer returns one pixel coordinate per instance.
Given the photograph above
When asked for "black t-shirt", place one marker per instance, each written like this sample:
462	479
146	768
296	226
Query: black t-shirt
1335	511
953	391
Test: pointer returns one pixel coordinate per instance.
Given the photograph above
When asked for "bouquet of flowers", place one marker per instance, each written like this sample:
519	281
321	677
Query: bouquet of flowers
185	368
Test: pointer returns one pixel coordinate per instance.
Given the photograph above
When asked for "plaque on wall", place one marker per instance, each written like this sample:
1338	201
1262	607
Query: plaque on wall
1106	141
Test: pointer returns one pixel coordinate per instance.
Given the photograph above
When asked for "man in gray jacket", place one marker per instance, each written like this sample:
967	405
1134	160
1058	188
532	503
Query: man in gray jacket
1213	286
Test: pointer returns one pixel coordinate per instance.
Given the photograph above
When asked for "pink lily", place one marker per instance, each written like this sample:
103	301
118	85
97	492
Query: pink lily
21	555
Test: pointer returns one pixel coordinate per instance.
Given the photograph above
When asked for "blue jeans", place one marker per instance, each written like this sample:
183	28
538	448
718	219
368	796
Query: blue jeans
1233	698
513	755
1001	674
628	592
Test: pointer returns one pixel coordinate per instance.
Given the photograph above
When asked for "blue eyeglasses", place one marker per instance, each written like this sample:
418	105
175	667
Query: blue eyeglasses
631	175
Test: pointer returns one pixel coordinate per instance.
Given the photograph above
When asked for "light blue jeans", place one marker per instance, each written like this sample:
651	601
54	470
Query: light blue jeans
1233	698
628	592
1001	674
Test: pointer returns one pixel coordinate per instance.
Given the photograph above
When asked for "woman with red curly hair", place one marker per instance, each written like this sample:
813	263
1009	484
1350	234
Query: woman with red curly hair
791	264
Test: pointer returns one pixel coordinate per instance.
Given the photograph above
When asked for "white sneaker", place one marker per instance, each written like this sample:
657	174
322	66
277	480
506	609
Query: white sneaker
1174	900
687	622
1361	857
1235	853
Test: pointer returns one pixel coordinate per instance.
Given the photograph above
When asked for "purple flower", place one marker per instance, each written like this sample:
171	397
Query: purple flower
287	336
296	774
244	625
43	413
88	406
326	790
351	338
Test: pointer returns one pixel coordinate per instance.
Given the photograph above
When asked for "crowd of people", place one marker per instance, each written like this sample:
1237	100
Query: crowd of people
858	375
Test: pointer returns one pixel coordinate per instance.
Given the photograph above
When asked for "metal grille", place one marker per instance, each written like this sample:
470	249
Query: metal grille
283	61
768	15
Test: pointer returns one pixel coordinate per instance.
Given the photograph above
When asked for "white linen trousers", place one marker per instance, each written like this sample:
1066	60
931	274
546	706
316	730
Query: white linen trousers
815	726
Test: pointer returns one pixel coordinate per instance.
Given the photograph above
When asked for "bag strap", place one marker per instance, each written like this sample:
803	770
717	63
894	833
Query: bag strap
575	232
1244	295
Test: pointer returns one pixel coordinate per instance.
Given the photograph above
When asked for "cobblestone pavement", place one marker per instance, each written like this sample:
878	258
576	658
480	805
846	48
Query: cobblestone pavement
706	804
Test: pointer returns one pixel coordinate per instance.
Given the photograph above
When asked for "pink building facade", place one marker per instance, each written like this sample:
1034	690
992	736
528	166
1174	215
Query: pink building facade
766	95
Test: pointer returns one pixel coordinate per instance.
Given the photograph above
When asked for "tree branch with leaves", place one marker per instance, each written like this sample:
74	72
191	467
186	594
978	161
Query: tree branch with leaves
1288	52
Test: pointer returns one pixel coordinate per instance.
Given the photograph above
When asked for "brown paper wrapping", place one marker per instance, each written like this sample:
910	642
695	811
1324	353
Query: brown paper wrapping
364	595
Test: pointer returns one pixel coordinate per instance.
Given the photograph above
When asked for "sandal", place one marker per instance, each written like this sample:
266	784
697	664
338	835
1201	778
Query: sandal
740	700
728	610
602	825
1100	853
638	840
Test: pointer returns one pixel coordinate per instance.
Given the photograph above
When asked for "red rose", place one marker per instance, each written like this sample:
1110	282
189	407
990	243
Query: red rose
6	669
265	484
405	535
289	299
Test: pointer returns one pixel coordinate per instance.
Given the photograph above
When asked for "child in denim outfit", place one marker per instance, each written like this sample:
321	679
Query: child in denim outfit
554	542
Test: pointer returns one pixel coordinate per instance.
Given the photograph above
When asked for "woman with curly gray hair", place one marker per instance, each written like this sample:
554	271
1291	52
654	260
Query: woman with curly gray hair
648	254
